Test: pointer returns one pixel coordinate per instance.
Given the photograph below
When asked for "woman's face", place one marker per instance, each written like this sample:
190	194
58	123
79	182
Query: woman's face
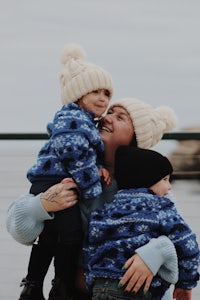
116	128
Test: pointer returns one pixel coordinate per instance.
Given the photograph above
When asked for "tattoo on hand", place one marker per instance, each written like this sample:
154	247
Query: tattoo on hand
50	196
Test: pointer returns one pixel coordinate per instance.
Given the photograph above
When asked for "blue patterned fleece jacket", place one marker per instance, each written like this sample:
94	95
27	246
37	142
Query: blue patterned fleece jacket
131	221
72	150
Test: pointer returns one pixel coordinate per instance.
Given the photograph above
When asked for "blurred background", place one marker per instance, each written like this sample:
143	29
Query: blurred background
151	48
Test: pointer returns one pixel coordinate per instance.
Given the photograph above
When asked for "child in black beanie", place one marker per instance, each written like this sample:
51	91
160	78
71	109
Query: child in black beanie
140	211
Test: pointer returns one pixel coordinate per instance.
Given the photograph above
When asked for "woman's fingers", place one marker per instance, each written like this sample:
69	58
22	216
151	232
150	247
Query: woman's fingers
137	275
148	282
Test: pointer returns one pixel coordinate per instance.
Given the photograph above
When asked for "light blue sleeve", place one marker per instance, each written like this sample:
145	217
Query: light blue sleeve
160	256
168	295
25	218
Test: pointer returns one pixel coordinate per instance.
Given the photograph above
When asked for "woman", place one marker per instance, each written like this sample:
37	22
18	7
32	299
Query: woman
128	122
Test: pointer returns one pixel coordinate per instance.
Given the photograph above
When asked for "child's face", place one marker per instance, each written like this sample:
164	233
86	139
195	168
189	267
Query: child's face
162	187
96	101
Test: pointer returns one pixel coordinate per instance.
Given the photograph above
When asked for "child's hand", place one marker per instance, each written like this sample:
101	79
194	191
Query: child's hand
106	175
180	294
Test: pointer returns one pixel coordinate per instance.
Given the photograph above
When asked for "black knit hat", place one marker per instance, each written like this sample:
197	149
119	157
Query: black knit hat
136	167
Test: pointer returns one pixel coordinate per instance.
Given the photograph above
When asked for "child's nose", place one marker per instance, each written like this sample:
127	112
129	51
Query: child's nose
102	97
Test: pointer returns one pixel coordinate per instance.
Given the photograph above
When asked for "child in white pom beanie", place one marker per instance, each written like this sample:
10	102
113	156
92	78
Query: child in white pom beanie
74	150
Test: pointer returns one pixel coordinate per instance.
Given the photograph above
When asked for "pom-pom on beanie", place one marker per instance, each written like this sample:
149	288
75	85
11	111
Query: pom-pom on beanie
139	168
149	123
80	77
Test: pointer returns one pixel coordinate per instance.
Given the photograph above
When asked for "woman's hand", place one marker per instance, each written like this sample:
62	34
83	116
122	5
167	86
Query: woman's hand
137	274
60	196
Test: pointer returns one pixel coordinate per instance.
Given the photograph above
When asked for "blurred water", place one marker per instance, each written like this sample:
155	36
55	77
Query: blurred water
15	158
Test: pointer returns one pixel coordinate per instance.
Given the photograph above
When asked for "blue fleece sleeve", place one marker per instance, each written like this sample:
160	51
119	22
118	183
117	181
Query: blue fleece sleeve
79	159
185	243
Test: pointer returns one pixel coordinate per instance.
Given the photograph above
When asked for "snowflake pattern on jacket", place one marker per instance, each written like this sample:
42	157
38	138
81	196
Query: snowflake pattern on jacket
73	150
131	221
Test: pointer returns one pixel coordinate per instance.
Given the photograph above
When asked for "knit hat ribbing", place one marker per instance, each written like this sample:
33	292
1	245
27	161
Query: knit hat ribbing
149	123
137	168
80	77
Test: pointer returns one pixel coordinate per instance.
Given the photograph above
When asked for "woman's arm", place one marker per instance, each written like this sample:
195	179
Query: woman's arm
26	215
25	218
159	255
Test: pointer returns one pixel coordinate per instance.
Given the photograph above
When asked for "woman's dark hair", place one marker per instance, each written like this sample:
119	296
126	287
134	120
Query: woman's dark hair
134	141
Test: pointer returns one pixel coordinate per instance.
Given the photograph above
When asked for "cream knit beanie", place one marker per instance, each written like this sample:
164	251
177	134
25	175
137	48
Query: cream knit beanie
149	123
80	77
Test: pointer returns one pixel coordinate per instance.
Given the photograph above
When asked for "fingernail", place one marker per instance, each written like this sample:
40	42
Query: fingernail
145	292
119	286
133	292
126	293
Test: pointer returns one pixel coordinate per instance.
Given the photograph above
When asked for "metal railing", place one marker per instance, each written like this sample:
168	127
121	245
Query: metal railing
178	136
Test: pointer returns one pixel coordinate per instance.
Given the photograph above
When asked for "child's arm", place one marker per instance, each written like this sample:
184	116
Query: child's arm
174	226
79	159
77	143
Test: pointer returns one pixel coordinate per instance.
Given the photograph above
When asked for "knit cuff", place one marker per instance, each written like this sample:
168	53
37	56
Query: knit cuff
36	210
160	256
25	218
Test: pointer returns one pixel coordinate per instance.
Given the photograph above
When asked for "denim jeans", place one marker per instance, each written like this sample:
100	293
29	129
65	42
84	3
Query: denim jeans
107	289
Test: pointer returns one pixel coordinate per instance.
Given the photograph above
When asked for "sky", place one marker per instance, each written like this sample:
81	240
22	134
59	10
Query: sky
150	47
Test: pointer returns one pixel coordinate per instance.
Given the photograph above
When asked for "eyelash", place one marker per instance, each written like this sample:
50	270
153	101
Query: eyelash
106	93
119	117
